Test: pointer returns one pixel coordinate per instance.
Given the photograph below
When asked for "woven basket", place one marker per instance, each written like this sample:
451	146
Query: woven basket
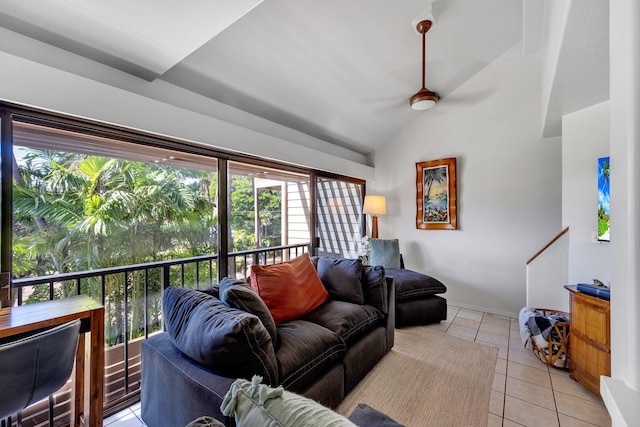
558	340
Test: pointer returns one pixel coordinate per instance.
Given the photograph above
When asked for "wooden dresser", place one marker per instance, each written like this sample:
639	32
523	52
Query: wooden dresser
589	339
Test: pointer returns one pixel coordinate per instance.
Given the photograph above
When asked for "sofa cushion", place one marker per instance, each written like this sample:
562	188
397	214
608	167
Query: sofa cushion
213	290
411	285
342	278
239	294
290	289
306	351
385	253
229	341
254	404
348	321
314	260
374	287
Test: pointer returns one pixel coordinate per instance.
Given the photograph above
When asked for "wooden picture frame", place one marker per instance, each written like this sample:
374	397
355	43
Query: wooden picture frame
436	202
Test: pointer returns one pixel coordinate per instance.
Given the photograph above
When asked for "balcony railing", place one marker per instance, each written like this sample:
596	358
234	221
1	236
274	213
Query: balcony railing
133	312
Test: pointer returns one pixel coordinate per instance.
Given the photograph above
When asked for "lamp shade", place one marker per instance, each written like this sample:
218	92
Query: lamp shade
375	205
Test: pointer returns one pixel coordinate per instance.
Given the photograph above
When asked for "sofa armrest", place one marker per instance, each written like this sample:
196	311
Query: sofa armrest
391	312
175	389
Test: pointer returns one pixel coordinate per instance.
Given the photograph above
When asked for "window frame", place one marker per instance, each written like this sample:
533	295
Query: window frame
10	112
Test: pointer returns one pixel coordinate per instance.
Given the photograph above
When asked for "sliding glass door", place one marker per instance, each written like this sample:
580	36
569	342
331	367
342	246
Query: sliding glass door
339	224
268	216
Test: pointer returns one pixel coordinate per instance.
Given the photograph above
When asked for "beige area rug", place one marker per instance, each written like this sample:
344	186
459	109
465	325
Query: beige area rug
429	379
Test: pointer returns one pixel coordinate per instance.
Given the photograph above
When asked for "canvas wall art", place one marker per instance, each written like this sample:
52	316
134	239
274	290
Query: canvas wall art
436	203
603	199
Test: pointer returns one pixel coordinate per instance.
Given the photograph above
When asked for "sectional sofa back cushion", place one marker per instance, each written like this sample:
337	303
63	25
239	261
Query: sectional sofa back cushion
228	341
342	278
254	404
374	286
290	289
238	294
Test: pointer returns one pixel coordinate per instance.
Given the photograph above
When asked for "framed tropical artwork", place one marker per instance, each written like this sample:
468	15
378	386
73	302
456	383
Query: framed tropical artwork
436	203
603	199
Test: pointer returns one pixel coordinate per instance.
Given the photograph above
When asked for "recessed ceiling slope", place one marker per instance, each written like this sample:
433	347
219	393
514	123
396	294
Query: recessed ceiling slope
142	37
339	71
342	71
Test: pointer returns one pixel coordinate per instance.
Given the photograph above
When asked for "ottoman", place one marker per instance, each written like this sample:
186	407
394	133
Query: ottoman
417	302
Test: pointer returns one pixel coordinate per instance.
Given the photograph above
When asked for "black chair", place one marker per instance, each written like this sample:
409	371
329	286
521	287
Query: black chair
35	366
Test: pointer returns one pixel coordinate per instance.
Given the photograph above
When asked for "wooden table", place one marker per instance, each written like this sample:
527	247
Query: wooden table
36	316
589	339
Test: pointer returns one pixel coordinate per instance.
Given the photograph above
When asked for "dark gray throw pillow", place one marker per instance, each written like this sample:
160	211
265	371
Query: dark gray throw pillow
239	294
223	339
342	278
365	416
374	286
213	290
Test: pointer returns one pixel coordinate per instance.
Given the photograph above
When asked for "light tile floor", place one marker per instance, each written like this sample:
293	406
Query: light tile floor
129	417
525	391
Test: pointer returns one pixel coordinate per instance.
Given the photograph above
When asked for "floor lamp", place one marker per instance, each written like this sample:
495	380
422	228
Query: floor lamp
374	205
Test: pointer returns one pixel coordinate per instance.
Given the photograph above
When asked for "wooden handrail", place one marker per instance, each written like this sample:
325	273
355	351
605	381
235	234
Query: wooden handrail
548	244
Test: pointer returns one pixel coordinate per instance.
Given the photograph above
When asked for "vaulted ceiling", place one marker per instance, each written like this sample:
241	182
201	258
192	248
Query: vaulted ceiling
341	71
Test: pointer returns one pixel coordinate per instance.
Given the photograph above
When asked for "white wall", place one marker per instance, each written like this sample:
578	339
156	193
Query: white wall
509	197
547	275
585	138
625	199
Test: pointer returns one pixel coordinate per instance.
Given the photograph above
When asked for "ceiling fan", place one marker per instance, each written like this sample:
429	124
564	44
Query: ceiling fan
424	99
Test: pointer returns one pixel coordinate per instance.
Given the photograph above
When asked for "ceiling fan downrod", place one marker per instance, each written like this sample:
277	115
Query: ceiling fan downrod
424	99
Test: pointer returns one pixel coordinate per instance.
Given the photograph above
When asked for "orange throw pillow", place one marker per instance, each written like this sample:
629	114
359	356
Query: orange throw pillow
290	289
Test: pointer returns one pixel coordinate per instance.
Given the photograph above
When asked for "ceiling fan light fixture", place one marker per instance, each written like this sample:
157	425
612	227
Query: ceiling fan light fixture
424	99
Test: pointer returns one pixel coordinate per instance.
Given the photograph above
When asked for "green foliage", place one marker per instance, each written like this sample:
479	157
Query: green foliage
603	226
603	221
77	212
243	215
270	215
242	210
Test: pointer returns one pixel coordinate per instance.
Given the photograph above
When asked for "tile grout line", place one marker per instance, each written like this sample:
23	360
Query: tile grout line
555	402
506	371
514	397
